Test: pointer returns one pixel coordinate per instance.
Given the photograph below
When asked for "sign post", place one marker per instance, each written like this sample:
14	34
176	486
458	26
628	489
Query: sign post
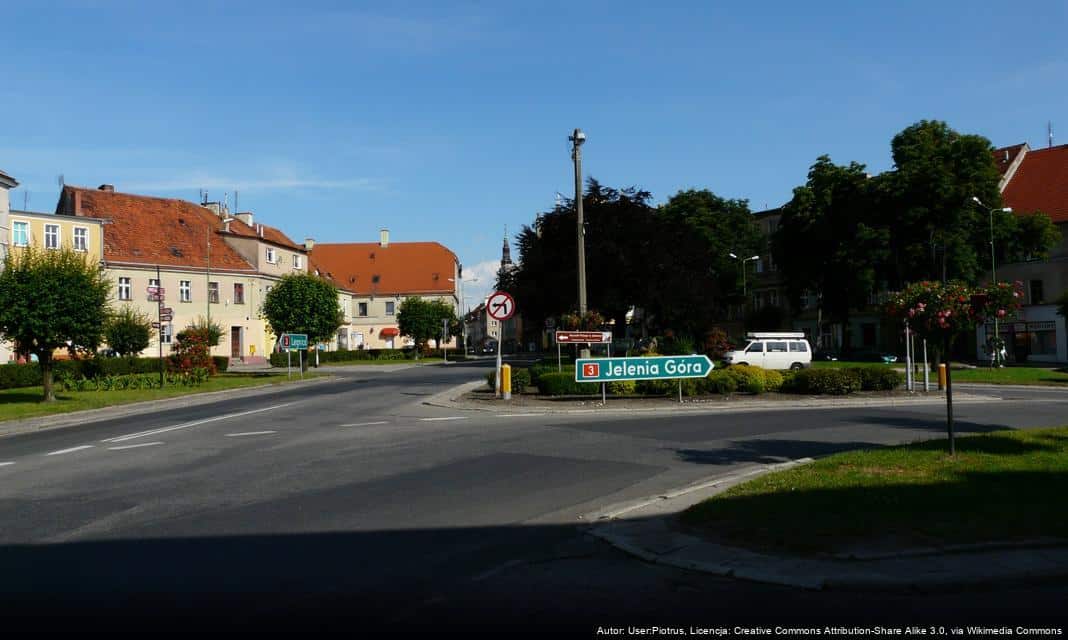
291	342
444	338
500	306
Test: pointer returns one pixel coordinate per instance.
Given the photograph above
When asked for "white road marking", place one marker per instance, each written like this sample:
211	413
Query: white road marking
520	415
186	425
71	450
364	424
134	446
4	464
441	419
249	433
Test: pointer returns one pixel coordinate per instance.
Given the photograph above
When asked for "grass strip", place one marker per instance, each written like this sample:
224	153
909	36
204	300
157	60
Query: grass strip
1001	486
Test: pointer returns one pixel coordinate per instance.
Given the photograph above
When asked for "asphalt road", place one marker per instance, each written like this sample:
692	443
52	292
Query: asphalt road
351	505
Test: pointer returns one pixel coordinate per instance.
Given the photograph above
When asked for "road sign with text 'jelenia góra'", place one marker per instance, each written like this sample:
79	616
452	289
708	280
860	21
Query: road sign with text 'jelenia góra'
651	368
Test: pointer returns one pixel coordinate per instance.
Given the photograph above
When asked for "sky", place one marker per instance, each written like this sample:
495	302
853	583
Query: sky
448	121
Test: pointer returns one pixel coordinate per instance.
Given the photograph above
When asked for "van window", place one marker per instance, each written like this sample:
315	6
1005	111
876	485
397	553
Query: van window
801	347
777	347
755	347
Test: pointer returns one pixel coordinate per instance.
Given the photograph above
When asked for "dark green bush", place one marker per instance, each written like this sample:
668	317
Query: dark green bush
879	378
748	378
545	367
719	382
222	363
622	387
656	387
563	384
837	382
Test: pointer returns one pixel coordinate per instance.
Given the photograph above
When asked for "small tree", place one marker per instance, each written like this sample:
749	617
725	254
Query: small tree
421	320
211	332
50	300
304	303
941	312
128	330
191	351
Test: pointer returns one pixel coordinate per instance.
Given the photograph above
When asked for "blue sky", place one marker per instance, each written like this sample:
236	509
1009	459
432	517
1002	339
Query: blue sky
448	121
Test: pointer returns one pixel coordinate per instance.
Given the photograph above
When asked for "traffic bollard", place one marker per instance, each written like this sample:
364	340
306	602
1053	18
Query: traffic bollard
506	381
941	377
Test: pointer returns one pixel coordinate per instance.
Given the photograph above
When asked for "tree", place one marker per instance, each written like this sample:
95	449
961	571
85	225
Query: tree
828	243
128	331
210	332
304	303
940	312
50	300
421	320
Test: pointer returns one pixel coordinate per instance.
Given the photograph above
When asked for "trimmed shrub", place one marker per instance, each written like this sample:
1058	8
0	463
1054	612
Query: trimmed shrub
222	363
21	375
748	378
772	380
542	367
563	384
879	378
719	382
656	387
623	387
836	382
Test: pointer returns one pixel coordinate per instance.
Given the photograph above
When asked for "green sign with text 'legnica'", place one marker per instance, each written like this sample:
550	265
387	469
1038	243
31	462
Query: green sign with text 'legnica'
652	368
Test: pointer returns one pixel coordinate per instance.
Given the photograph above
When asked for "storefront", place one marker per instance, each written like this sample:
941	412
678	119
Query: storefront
1038	335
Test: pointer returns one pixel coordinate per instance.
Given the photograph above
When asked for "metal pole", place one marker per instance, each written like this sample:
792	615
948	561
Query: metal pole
908	361
577	138
926	369
159	321
680	390
444	335
300	356
497	386
559	359
994	279
604	396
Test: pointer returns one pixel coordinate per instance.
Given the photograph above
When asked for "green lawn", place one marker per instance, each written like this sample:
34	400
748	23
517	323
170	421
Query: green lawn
26	402
1012	375
843	364
381	362
1004	485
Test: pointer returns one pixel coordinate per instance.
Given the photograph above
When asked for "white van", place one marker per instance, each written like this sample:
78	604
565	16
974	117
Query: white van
773	350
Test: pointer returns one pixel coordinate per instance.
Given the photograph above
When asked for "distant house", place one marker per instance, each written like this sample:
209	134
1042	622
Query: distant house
208	263
1035	180
373	279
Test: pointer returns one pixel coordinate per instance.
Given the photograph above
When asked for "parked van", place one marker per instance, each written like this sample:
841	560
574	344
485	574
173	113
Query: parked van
773	350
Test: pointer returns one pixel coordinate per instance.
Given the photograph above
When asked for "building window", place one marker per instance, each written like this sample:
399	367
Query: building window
20	234
1037	296
51	236
239	293
124	289
185	292
272	255
389	308
165	333
81	239
298	262
213	292
361	309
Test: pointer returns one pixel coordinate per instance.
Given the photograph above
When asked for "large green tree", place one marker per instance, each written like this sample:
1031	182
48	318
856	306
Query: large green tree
422	320
304	303
128	330
828	242
51	300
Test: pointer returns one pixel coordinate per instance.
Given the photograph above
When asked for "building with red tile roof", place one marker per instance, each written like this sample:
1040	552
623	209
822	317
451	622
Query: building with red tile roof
375	277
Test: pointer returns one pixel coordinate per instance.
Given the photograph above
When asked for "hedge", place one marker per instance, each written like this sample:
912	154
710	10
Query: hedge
843	381
563	384
520	380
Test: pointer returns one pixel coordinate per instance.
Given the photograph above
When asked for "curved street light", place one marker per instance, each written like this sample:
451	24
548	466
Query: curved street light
993	273
743	261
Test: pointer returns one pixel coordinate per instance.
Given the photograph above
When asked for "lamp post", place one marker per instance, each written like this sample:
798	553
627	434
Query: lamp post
995	345
577	137
743	261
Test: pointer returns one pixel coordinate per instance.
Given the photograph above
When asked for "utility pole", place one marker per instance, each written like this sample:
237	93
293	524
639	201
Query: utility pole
577	138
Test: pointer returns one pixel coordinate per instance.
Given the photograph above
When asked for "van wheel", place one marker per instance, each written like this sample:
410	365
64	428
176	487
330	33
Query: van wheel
797	366
743	364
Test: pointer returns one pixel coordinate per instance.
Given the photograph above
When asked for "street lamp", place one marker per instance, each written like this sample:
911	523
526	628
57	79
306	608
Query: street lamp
743	261
577	137
993	273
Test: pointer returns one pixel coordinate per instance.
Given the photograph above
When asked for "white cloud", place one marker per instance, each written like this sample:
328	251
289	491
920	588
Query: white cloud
485	274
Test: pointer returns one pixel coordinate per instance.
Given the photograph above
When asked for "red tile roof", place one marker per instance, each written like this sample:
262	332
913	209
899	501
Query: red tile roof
149	231
270	234
1004	156
1040	184
401	267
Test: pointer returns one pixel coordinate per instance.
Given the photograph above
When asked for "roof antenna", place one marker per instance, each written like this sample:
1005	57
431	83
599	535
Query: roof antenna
61	181
25	200
1049	129
237	209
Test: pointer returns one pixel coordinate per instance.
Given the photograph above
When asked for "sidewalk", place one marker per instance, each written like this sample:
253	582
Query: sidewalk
649	530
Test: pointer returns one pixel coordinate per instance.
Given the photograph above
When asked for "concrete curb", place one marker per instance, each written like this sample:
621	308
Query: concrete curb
644	530
89	416
454	402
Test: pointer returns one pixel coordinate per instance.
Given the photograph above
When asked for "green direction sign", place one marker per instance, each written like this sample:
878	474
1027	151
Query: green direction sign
297	341
652	368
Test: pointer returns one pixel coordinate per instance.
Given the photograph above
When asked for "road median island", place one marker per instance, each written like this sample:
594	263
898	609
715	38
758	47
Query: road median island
24	403
1002	487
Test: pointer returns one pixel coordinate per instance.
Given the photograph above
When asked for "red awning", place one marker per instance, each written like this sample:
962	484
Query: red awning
389	332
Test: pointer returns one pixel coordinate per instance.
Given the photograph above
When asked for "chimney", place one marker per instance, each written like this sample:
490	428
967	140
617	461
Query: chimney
259	229
309	244
226	225
383	238
77	202
109	188
245	217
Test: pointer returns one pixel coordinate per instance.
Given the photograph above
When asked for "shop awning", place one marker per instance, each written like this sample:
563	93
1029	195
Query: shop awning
389	332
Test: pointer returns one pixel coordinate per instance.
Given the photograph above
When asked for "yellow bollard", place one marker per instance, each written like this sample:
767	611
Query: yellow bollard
506	381
941	377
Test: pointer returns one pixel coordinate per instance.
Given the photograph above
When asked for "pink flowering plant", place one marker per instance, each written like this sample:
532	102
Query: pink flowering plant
941	311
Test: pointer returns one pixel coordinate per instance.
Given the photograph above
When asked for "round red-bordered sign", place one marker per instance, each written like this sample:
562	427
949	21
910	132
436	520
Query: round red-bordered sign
500	306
